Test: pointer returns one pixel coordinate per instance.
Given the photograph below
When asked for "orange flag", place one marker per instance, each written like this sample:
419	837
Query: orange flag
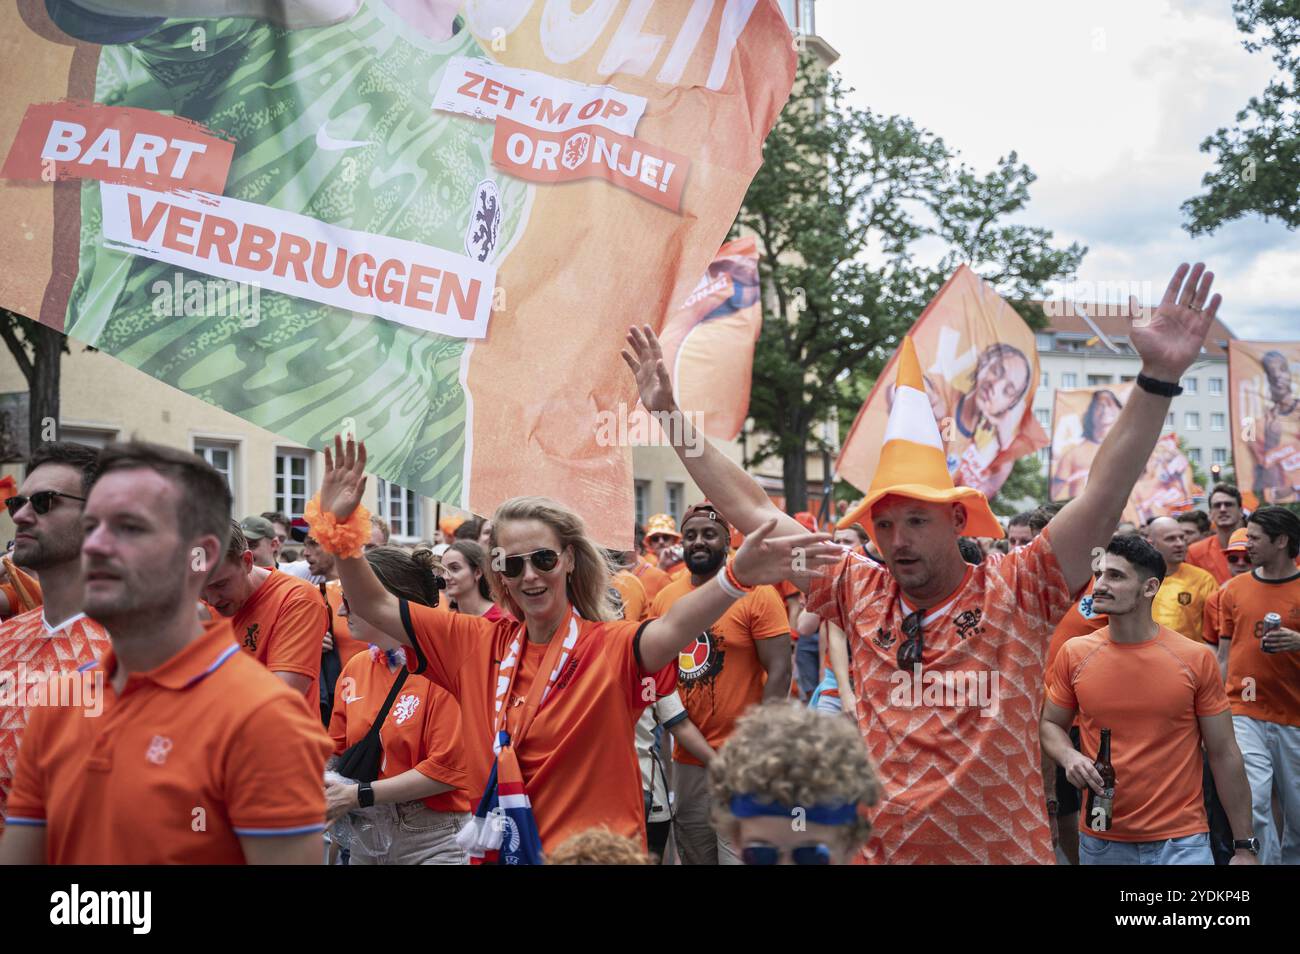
980	368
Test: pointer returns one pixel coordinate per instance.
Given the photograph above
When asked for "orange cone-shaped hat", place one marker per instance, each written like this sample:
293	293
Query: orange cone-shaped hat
912	459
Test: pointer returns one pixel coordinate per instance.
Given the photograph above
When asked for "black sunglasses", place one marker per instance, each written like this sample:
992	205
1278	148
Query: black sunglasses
41	501
910	650
813	854
542	560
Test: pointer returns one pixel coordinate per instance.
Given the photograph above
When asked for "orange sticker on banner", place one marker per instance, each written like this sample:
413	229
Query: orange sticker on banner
540	155
118	144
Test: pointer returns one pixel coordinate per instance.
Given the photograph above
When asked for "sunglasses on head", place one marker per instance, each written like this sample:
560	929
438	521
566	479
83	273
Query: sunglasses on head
910	650
810	854
542	560
41	501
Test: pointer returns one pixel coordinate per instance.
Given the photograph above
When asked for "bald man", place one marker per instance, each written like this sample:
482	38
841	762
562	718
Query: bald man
1180	603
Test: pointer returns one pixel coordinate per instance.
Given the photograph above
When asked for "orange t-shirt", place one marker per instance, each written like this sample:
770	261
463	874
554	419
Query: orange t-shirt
343	639
633	595
579	757
1209	556
28	640
651	577
1155	735
208	736
1275	677
283	625
1210	618
1079	620
421	731
957	750
719	675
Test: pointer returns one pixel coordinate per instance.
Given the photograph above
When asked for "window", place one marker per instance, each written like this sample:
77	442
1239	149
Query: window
1044	455
1096	380
1127	378
674	496
1169	420
1047	380
641	493
1218	421
1069	380
1189	385
1192	421
1216	387
221	455
1194	455
97	437
1219	455
401	508
1045	340
1044	417
292	481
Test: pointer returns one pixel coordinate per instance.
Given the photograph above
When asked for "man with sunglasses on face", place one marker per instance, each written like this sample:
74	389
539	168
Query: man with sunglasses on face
948	658
57	635
741	660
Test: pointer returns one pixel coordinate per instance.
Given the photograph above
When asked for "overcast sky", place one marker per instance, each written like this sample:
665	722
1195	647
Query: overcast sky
1107	102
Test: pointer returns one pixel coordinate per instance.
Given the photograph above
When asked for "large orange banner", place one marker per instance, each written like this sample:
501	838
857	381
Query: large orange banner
447	213
1266	420
1081	419
981	368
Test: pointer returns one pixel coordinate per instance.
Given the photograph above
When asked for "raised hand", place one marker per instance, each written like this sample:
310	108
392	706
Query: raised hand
763	558
646	359
1170	338
345	478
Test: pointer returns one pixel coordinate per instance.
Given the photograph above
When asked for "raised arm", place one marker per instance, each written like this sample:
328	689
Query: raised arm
1168	342
340	494
736	495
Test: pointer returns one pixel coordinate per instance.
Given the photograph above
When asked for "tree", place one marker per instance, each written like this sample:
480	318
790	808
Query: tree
38	351
1027	481
842	205
1256	160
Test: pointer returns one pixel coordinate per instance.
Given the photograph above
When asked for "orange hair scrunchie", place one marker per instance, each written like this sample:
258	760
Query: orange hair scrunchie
343	539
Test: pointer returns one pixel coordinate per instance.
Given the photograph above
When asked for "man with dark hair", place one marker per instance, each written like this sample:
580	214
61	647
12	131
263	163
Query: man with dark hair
1158	815
1020	529
56	636
206	759
1261	665
1225	515
278	618
1197	525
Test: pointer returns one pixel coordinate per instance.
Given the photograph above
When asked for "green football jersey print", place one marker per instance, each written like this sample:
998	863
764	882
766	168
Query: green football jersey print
334	123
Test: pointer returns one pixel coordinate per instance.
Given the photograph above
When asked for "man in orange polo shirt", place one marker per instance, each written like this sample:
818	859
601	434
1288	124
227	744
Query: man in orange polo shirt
277	618
200	756
1157	816
1225	515
56	636
743	659
1238	556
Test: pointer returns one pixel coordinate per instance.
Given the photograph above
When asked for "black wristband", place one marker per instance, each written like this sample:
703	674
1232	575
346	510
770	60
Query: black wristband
1162	388
365	795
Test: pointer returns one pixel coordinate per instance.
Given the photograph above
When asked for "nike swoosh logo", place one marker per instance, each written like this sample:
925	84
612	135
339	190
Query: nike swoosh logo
327	142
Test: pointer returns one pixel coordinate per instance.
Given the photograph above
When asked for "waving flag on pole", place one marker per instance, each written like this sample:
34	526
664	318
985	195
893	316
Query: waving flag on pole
980	368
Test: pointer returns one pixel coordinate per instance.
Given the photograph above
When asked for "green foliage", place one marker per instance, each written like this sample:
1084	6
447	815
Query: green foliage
861	218
1026	481
1256	160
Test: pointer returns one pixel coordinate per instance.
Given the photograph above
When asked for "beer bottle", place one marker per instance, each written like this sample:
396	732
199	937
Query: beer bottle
1101	808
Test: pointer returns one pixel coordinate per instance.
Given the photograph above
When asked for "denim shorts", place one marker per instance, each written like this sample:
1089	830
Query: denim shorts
1188	850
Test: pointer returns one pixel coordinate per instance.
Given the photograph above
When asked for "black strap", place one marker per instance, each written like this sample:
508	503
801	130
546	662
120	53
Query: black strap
388	704
405	609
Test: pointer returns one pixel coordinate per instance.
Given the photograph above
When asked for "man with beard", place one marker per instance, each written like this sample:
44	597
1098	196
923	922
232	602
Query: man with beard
1180	602
57	636
743	659
200	756
1225	515
278	618
1277	455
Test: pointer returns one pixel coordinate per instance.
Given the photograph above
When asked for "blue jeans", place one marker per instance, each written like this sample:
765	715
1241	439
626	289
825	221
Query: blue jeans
807	664
1188	850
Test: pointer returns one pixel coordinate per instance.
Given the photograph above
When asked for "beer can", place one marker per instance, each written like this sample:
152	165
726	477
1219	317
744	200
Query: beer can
1272	621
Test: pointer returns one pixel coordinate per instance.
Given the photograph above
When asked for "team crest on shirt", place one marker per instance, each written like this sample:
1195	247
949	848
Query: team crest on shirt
1184	599
884	639
701	661
968	622
405	707
159	746
250	638
484	221
1085	607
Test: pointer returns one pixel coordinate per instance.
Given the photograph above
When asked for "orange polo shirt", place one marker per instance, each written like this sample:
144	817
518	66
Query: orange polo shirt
343	639
651	577
421	731
194	754
283	625
1209	556
578	758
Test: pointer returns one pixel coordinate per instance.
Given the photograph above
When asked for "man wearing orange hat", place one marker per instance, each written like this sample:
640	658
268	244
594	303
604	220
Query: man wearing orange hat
948	658
663	540
1238	559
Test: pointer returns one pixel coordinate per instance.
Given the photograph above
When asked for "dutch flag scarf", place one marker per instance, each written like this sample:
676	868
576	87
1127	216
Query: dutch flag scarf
503	830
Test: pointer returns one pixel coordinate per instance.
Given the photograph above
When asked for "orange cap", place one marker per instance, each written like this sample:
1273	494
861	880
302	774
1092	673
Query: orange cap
1236	542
